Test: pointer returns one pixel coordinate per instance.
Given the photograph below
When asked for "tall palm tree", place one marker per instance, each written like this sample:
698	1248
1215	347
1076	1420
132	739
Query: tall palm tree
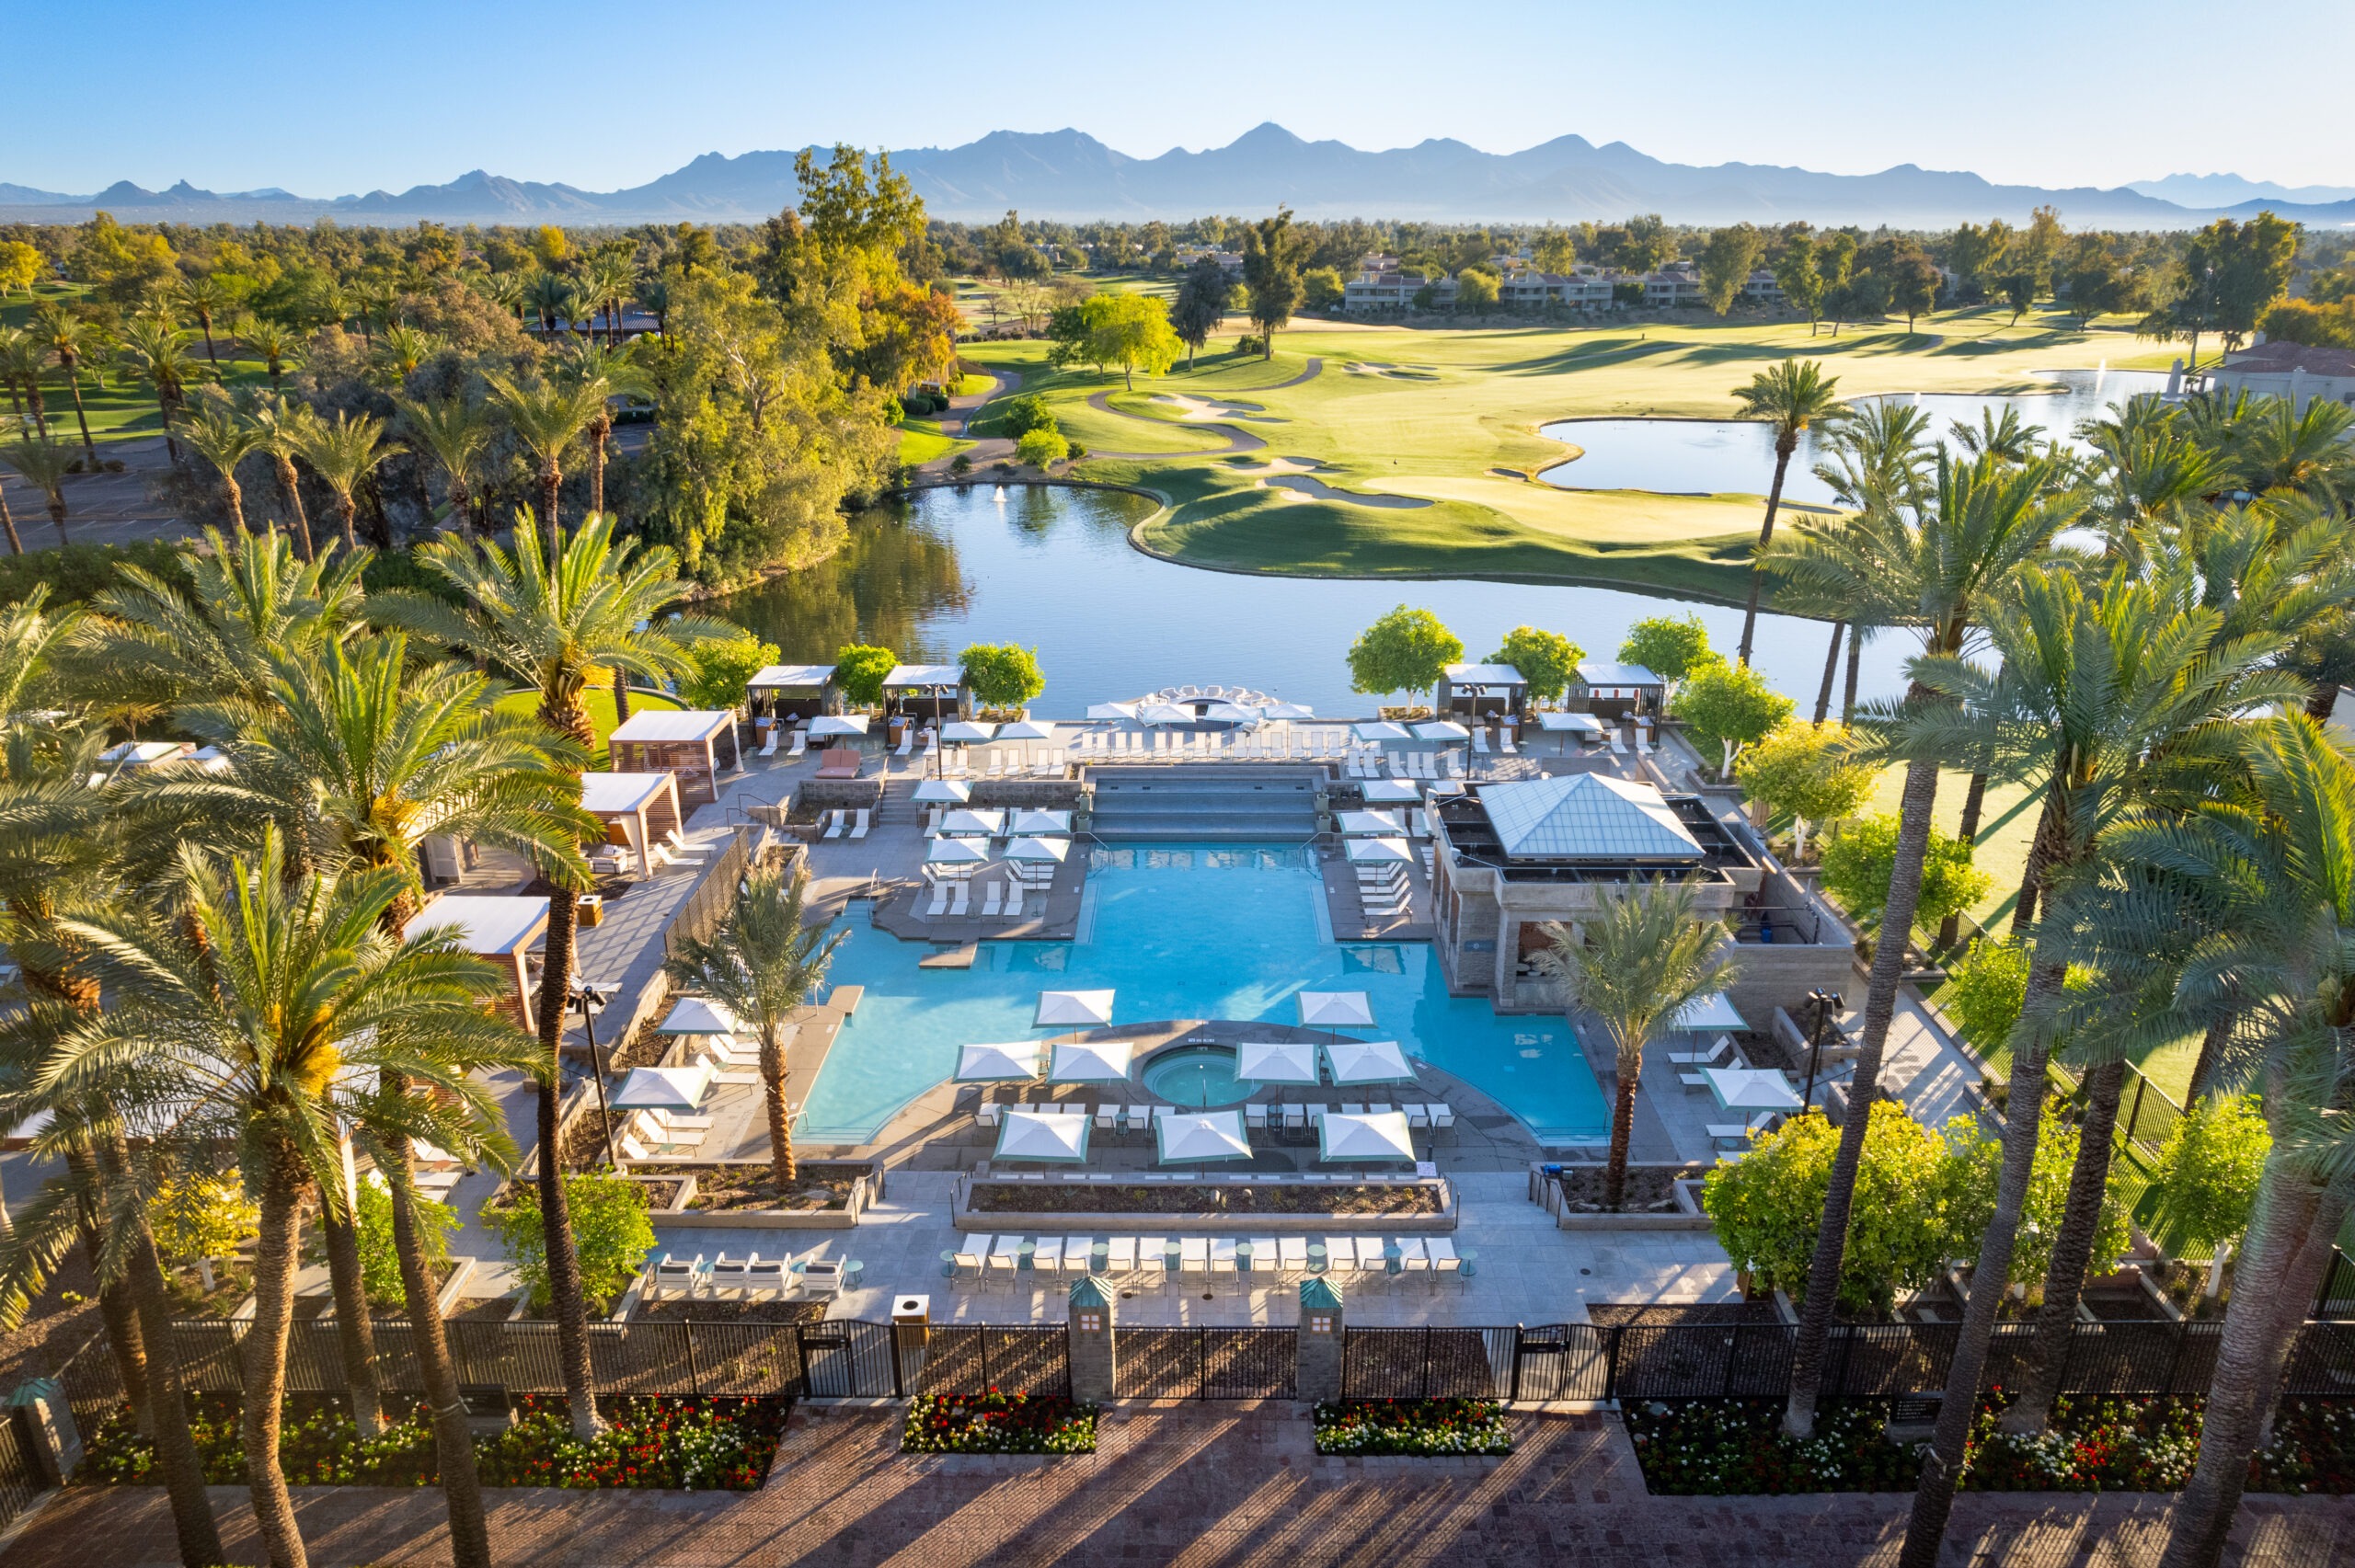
68	341
2005	437
288	427
21	362
378	301
605	283
158	354
762	966
1792	396
279	349
550	297
8	521
548	623
457	433
404	348
204	298
1633	964
1878	450
43	465
343	454
618	375
507	290
330	302
549	417
1931	563
223	438
2108	693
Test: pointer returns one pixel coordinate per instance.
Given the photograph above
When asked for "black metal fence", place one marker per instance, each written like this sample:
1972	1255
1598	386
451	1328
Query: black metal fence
20	1479
1206	1363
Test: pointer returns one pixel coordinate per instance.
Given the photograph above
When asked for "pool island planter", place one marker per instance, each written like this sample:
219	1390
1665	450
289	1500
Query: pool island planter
678	1216
969	1210
1547	1193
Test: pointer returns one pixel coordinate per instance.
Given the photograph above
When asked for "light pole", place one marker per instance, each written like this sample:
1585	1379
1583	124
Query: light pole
1826	1003
591	998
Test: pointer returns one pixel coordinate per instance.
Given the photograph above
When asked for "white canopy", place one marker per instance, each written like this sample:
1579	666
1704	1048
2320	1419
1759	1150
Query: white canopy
1381	1135
1276	1061
658	725
775	676
1389	792
1188	1135
1064	1008
967	730
701	1016
1334	1010
956	852
951	792
1572	724
998	1062
924	676
1485	675
1036	821
1442	729
838	724
972	824
1370	824
1618	675
1750	1088
1287	711
1027	729
1381	729
1092	1062
1438	789
1368	1061
1709	1012
1381	852
1112	710
1231	713
612	795
488	924
1043	851
1164	713
1037	1135
663	1089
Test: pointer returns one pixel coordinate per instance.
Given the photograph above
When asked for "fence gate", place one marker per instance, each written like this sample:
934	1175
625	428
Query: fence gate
1557	1361
1206	1363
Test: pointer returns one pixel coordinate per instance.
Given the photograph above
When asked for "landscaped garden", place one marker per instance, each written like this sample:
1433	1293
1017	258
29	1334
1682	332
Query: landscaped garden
1423	1428
1179	1198
997	1422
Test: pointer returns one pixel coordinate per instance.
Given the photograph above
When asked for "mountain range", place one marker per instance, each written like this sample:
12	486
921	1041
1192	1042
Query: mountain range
1069	175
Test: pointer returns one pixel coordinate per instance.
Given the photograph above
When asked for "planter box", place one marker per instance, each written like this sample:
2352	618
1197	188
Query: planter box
680	1216
968	1219
1546	1192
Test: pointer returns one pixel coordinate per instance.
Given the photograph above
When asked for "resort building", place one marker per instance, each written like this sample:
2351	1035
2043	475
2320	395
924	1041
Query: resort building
1672	286
1585	289
2296	370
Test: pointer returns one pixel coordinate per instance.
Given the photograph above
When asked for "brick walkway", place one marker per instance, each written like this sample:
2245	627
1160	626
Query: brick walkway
1204	1486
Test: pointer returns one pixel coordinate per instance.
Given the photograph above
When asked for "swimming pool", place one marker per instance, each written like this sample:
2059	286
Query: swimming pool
1196	1075
1231	930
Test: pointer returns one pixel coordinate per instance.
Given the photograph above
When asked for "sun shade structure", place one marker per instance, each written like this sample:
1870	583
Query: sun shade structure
1334	1010
1073	1009
1276	1061
1164	713
701	1016
1381	1135
1027	729
1368	1061
838	724
1576	817
1569	724
1709	1012
1188	1135
1381	729
1390	792
972	824
1046	852
696	744
502	928
1230	713
968	730
1370	824
956	852
637	808
663	1089
944	791
1287	711
1007	1061
1037	1135
1092	1062
1381	852
1112	710
1442	729
1750	1088
1031	822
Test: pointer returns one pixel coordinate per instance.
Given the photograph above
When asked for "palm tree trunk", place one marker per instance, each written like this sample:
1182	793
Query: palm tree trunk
2040	860
346	510
262	1362
176	1455
781	1162
2322	700
237	499
2065	1277
123	1335
1849	696
1974	803
292	484
57	516
556	1216
89	447
2299	1290
2211	1053
551	482
204	320
1784	446
1830	669
1990	1277
621	698
1915	803
355	1330
599	432
40	406
16	545
1622	1129
454	1444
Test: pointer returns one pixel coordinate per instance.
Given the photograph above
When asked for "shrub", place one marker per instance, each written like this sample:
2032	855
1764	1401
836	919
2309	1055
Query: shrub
1042	449
1025	414
1858	860
860	670
74	572
1974	1164
961	463
720	669
1002	675
379	1264
1250	343
1416	1428
998	1422
611	1235
1985	991
195	1215
2203	1185
1406	651
1548	660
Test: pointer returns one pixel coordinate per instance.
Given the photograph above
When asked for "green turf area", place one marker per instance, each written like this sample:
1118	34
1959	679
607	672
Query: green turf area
921	441
601	711
119	406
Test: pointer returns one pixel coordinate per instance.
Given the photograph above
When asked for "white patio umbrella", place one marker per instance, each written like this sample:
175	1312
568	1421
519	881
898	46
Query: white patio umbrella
1709	1012
1006	1061
1188	1135
1750	1088
1231	713
972	824
944	791
1073	1009
1381	729
1276	1061
1034	1135
1370	824
1045	852
838	724
1334	1010
1390	792
700	1016
1381	1135
1569	724
956	852
1031	822
1381	852
1027	729
1112	710
1368	1061
1092	1062
1287	711
662	1089
1165	712
1442	729
967	730
1440	789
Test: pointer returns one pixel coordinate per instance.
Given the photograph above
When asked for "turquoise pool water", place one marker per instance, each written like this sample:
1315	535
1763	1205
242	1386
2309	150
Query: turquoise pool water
1180	931
1201	1075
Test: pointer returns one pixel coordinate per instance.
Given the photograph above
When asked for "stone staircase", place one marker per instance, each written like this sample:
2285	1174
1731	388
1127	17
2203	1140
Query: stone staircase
1214	803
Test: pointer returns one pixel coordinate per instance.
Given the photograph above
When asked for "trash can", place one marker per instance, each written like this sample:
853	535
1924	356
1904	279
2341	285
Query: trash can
45	1425
911	1321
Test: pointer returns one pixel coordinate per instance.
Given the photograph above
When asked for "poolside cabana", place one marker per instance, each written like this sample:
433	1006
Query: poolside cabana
1092	1062
637	808
502	928
1390	792
1370	825
1622	691
967	823
926	690
1034	821
790	692
696	744
1042	1135
1034	860
956	858
1478	691
1368	1061
1377	1135
679	1089
1006	1061
1380	850
1276	1061
1186	1137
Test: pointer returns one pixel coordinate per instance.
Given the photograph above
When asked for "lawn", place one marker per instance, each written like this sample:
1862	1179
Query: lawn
601	711
119	406
921	441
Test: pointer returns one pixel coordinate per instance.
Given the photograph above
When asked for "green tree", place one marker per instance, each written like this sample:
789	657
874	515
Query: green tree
1003	676
721	669
1272	271
223	438
1132	331
1476	290
1406	651
1670	647
1796	274
1548	660
1975	1176
456	434
1025	413
2019	290
380	1260
286	429
68	341
1201	303
43	465
1041	448
158	354
1985	989
860	671
1323	289
197	1216
343	454
1790	398
1860	859
1731	704
611	1236
1727	259
2204	1183
547	416
20	266
1809	773
1556	251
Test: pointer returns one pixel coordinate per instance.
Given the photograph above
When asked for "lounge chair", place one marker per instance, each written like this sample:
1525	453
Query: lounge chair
1013	899
1479	742
1340	1255
1222	1258
1715	1056
1194	1256
1693	1081
1047	1255
907	744
675	1276
1079	1252
992	901
865	821
987	1114
971	1251
768	743
1005	1254
1504	743
1108	1117
766	1277
1121	1255
1137	1118
1292	1254
801	747
939	901
1740	1132
834	821
957	898
1443	1115
672	1121
728	1274
1618	747
1443	1256
821	1279
1412	1256
1295	1118
1255	1114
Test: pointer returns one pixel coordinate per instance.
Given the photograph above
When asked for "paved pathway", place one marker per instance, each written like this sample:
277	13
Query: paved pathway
1206	1486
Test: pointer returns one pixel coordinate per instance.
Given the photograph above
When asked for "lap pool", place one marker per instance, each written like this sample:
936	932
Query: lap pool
1181	932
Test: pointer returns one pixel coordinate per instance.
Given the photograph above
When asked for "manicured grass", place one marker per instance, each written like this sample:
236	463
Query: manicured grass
601	711
119	406
921	441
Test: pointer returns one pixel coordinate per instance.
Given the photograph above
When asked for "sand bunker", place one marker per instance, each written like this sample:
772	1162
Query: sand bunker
1309	486
1196	410
1394	373
1277	465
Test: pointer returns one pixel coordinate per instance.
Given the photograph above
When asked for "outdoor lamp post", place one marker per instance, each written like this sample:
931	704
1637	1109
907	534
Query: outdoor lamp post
591	998
1827	1002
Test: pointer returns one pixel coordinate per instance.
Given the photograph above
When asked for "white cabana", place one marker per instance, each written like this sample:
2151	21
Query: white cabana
837	724
1073	1009
1381	852
1370	825
1368	1061
1378	1135
1442	729
944	791
1750	1088
968	730
1287	711
501	927
1381	729
1709	1012
1027	729
677	1089
1039	851
1092	1062
637	810
1036	821
1441	789
1276	1061
1164	713
954	853
701	1016
1334	1010
1231	713
971	824
1390	792
1569	724
1112	710
1187	1136
1039	1135
1006	1061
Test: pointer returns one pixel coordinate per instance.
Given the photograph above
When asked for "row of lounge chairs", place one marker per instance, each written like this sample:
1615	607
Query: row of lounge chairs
748	1278
952	899
851	824
1157	1259
1258	1115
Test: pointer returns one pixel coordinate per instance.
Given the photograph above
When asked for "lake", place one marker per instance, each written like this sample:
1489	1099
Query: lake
1051	568
1718	456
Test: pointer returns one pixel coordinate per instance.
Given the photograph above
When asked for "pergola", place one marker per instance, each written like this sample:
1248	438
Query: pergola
637	808
925	691
502	928
793	691
1481	691
696	745
1622	687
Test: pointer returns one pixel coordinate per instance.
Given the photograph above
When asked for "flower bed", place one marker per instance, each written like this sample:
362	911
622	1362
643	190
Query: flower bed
1176	1197
997	1422
1736	1447
682	1444
724	1187
1422	1428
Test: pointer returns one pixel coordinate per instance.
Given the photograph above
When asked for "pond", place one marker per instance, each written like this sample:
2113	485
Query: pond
1737	456
1051	568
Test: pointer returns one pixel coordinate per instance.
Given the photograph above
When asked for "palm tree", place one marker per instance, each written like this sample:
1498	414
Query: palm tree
2280	448
1790	398
288	427
655	295
279	349
343	454
43	465
223	438
456	433
762	966
377	301
68	341
204	298
616	374
2005	437
331	303
548	623
403	350
1637	962
158	354
2103	695
549	417
1931	563
8	521
507	290
22	361
550	297
607	281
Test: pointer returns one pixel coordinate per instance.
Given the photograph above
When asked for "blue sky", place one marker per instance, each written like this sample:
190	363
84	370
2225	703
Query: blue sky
326	98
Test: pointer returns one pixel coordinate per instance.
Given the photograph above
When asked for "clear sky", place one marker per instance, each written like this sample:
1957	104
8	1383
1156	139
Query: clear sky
327	97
